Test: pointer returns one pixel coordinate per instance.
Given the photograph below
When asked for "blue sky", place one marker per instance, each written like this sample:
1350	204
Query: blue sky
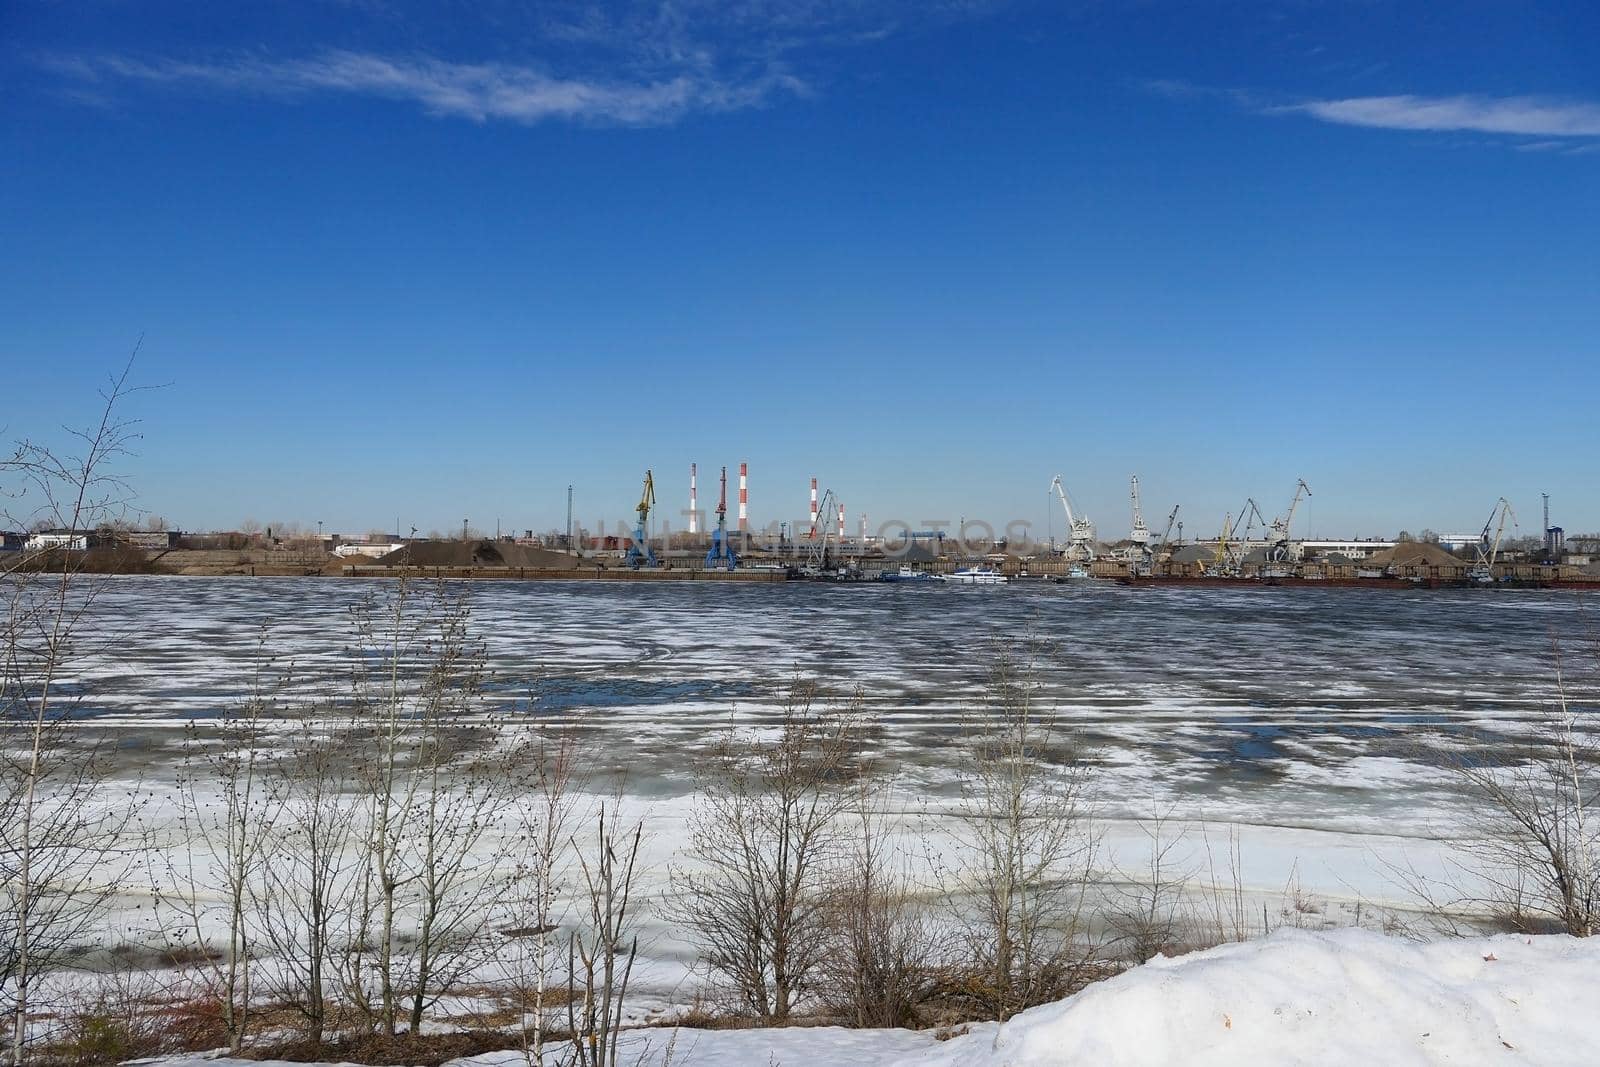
434	261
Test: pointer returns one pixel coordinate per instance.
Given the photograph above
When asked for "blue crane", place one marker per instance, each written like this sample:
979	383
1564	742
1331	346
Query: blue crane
721	556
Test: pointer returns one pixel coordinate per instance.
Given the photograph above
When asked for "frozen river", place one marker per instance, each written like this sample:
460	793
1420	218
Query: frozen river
1294	708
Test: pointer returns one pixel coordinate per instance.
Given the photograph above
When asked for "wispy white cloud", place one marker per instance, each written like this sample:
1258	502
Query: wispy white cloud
1559	126
1528	116
476	91
627	62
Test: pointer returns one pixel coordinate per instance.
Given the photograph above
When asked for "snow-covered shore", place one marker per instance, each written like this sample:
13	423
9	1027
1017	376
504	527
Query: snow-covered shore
1296	997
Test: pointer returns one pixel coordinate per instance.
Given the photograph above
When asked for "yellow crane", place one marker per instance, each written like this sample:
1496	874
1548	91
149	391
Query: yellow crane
639	552
1225	564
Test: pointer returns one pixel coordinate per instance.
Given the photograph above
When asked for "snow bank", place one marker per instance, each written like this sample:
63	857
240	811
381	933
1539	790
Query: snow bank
1340	997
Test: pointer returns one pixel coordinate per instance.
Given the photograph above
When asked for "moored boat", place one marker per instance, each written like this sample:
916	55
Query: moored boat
907	573
975	576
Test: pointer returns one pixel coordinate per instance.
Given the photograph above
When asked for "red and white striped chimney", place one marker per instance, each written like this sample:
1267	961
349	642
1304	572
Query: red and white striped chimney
694	501
744	498
813	532
841	522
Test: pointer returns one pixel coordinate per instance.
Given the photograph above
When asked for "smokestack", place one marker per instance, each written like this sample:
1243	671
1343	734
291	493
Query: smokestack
863	529
813	532
694	501
744	498
841	522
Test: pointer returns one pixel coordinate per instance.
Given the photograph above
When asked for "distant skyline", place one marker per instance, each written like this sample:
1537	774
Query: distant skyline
429	262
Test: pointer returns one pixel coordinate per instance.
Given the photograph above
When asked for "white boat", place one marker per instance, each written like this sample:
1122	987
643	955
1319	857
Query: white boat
975	576
907	573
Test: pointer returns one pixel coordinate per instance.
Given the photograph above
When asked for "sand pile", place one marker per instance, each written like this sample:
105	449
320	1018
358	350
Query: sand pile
1414	554
477	554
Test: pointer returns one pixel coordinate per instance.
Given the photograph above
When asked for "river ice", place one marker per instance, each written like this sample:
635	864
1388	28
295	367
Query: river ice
1301	707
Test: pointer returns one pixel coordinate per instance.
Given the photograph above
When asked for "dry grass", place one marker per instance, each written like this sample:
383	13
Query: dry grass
417	1050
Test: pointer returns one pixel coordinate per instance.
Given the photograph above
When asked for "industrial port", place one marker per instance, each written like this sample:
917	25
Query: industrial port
1247	547
1244	547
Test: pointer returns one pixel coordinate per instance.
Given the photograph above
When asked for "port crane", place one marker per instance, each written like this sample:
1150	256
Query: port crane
1223	564
1489	551
1166	536
721	556
1250	514
1080	531
1278	535
1165	545
817	548
1139	536
639	552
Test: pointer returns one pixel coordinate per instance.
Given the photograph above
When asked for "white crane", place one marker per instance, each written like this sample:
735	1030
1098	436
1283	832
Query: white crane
1278	536
1140	535
1080	531
1489	551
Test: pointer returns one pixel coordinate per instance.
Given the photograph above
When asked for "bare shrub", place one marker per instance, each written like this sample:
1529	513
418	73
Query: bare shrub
1531	858
215	876
438	776
765	836
885	948
602	951
60	831
1226	913
1154	917
308	905
546	814
107	1023
1022	872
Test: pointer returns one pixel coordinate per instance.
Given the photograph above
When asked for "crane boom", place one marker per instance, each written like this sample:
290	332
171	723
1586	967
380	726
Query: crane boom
1249	515
1172	517
1066	505
647	499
